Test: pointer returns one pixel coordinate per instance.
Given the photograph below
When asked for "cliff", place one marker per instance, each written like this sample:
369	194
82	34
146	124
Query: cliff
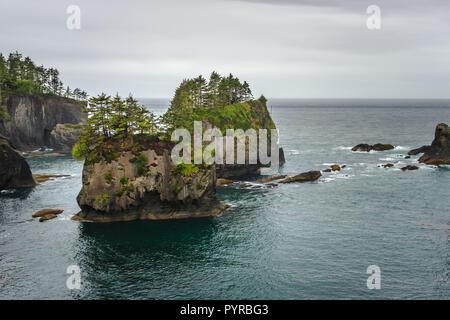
14	170
142	184
32	121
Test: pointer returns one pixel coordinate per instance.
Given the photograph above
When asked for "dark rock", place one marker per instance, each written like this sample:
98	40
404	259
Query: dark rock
439	151
303	177
419	150
382	147
377	147
408	157
388	165
362	147
410	167
335	167
327	170
14	169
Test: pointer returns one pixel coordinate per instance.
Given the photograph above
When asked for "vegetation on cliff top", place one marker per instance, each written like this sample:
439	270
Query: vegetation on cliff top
115	124
22	75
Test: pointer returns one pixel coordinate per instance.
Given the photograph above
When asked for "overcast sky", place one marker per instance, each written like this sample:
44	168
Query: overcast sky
304	48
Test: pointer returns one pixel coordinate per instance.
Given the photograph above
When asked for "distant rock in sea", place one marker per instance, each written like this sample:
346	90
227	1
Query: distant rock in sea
439	151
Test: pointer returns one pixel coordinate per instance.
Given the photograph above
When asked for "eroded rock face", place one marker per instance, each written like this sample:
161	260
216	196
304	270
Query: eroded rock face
14	169
33	121
119	191
439	151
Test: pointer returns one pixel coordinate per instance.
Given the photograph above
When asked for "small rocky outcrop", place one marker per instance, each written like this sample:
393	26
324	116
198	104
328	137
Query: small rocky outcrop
410	167
47	217
439	151
272	178
14	169
303	177
45	212
388	165
419	150
223	182
376	147
146	186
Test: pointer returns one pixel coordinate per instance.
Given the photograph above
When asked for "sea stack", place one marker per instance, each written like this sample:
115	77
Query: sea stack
439	151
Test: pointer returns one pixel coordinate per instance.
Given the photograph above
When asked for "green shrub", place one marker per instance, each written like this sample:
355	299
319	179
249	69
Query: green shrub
108	177
184	169
79	151
124	180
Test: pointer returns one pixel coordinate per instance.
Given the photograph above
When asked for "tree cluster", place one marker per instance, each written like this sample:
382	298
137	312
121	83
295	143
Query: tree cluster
113	119
22	75
199	93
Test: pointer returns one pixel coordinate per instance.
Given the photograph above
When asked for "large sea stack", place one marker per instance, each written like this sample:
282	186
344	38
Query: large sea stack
142	183
439	151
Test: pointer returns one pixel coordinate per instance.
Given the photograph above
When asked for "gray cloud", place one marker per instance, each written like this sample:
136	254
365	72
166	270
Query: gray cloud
283	48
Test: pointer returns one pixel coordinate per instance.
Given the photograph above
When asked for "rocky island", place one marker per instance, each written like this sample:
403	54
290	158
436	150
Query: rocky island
438	152
128	172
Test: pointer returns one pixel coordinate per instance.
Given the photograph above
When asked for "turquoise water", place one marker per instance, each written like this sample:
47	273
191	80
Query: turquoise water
296	241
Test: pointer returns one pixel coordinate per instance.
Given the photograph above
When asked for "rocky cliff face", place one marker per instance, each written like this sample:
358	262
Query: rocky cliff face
439	151
31	121
14	170
146	186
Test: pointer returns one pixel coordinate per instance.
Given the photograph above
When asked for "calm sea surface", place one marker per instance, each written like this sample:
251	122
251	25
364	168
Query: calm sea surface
296	241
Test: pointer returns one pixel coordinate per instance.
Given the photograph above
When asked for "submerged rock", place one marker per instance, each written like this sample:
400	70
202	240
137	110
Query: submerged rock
47	217
303	177
439	151
362	147
377	147
48	177
14	169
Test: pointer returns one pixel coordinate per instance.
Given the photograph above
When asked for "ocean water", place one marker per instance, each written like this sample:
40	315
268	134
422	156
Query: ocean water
296	241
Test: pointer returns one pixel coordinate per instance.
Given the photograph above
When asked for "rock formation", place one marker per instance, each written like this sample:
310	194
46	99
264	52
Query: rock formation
34	121
14	169
146	186
377	147
439	151
303	177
